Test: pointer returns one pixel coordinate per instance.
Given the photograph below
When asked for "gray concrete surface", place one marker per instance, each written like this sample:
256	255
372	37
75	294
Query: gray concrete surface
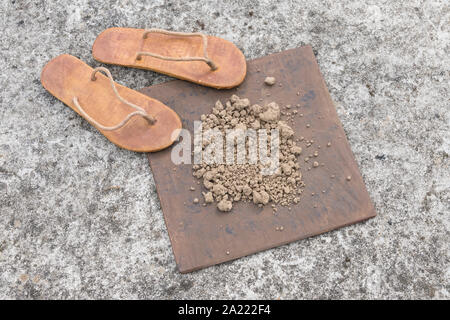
65	233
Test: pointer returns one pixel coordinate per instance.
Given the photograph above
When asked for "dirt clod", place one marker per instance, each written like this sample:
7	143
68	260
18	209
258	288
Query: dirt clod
225	205
208	197
270	81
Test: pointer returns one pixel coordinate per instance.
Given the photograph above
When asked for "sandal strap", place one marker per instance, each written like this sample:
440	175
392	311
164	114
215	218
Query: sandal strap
139	111
205	57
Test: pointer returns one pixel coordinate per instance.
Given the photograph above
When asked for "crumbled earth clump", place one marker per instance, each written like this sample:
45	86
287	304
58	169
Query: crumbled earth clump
229	183
270	81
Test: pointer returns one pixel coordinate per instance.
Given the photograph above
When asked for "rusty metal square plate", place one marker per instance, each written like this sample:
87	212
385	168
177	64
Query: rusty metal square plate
202	236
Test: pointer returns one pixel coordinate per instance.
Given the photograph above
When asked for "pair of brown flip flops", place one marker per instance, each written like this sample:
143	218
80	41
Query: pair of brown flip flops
126	117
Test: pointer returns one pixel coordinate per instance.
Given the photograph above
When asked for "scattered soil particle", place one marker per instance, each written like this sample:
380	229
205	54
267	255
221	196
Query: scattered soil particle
315	164
195	200
208	197
225	205
349	178
270	81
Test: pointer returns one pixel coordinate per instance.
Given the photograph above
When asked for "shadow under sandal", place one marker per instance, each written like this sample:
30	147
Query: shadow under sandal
126	117
206	60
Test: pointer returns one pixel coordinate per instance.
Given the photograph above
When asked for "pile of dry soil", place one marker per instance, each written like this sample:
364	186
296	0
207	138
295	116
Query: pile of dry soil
245	182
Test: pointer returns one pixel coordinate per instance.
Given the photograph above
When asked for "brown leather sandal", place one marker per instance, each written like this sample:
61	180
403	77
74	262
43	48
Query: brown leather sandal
126	117
206	60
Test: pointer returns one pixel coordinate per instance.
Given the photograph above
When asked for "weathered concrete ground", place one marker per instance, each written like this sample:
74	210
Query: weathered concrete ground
66	232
